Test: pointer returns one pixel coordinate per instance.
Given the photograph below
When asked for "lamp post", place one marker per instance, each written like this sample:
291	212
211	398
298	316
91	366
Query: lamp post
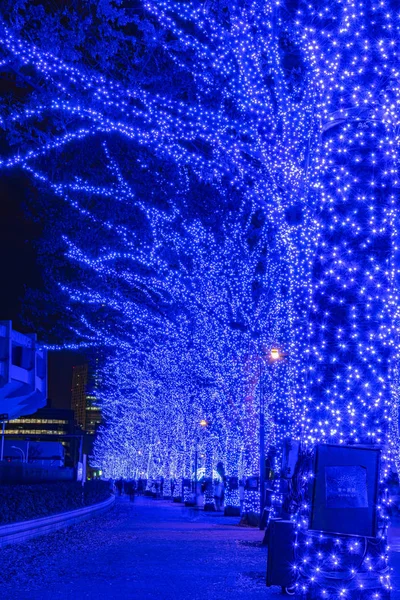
202	423
275	355
195	469
262	451
22	452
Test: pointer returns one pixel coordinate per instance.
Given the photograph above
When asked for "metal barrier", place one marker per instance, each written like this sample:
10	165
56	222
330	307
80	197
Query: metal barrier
16	533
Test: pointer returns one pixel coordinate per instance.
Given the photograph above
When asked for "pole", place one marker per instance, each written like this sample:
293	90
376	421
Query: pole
84	465
81	458
262	451
2	440
262	466
195	472
148	463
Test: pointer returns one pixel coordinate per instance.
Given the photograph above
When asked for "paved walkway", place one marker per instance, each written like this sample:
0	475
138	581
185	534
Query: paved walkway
150	549
394	543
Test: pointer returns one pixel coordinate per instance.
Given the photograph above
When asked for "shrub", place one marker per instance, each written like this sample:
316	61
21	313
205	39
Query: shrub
24	502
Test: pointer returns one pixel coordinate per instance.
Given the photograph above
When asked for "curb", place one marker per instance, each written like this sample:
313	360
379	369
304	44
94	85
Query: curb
16	533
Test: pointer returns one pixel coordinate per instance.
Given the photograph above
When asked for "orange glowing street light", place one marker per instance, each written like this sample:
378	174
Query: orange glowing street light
202	423
274	356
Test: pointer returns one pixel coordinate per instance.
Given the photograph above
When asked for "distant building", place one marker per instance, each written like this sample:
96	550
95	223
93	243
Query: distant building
84	403
78	394
23	372
93	409
44	454
93	420
47	425
93	414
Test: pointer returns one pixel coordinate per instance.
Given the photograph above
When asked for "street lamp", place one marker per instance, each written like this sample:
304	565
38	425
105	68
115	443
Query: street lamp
202	423
275	355
22	452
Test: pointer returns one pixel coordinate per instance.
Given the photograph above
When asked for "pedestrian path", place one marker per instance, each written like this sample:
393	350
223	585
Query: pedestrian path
394	543
394	538
142	550
146	550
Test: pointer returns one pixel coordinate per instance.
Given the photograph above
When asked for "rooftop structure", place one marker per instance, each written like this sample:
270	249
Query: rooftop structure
23	373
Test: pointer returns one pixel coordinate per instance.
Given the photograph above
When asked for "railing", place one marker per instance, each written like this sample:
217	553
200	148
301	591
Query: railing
16	533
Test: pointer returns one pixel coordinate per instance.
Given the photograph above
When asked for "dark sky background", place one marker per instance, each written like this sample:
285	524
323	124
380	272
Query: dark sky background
21	271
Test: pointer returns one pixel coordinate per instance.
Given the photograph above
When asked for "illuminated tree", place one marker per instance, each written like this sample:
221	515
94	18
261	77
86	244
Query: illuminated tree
286	111
204	313
224	109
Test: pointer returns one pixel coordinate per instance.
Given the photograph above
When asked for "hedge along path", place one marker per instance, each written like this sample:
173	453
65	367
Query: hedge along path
22	502
16	533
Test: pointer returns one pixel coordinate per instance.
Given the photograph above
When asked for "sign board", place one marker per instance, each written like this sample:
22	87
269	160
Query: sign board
345	490
346	487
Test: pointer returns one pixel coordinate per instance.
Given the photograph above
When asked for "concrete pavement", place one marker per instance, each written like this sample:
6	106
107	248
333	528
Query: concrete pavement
146	550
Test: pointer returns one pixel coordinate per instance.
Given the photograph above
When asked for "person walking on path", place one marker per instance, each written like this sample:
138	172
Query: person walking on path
132	490
119	484
218	495
128	487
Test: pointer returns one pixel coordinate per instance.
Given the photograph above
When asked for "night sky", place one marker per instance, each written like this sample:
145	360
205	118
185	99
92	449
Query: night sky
21	271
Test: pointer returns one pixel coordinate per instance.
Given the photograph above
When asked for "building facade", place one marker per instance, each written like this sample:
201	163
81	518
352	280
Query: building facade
39	453
23	373
47	425
78	394
93	414
84	403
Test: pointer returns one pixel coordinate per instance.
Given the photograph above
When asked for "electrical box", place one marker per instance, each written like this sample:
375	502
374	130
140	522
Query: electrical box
280	553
